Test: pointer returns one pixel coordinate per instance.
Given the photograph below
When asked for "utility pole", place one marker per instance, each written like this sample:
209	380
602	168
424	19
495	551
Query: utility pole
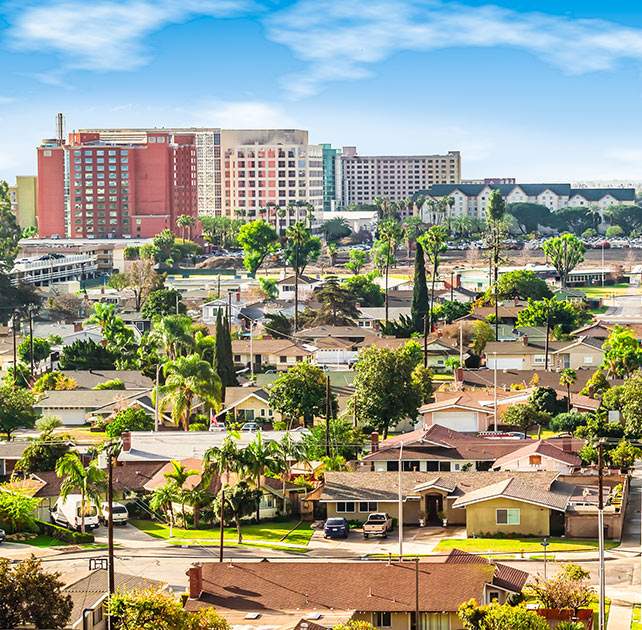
400	503
417	625
110	521
548	334
251	351
461	344
156	401
30	311
600	533
221	526
328	414
426	339
229	310
495	391
15	350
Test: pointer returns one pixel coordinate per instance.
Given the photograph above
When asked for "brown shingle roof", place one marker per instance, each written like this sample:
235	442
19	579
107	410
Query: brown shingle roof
364	586
540	447
505	576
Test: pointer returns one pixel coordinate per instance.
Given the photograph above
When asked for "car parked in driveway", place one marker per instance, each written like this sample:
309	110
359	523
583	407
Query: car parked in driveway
378	524
336	528
3	535
119	513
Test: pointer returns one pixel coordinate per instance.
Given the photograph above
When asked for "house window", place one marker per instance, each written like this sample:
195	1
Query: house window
237	358
507	516
539	359
588	360
368	506
283	359
382	619
535	460
493	596
345	506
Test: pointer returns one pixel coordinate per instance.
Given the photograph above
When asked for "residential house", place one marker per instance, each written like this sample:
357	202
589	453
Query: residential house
577	297
307	285
526	354
89	595
334	352
75	407
539	455
487	503
10	453
354	334
460	411
136	320
247	404
278	354
286	595
373	317
89	379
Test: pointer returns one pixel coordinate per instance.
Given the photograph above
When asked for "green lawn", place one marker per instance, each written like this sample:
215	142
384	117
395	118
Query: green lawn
608	290
545	434
40	540
636	622
267	533
519	545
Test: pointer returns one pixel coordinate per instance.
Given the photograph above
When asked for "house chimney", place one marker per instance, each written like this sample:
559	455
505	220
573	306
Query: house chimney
374	442
77	326
195	575
567	445
126	438
459	375
525	340
238	296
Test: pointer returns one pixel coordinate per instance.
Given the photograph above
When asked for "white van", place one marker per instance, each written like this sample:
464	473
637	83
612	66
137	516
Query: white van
67	512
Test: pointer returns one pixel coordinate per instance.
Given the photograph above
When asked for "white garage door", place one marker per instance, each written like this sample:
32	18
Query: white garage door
506	363
456	420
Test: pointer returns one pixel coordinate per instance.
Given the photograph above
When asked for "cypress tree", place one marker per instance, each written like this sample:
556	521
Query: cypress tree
420	302
231	379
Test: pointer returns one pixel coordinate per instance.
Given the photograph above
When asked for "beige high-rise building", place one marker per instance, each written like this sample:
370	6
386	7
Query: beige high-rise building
23	198
393	177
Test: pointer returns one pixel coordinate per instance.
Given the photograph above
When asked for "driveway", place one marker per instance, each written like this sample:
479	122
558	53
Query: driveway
416	540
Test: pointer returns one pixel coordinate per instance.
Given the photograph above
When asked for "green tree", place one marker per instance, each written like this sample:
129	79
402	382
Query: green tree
631	401
130	419
31	596
338	306
16	409
568	589
422	381
622	353
162	501
420	305
357	260
530	216
238	501
224	357
499	617
17	512
54	381
41	349
86	354
300	249
624	455
522	284
187	379
545	399
384	389
163	302
367	292
559	316
524	416
567	378
345	440
286	452
178	474
597	385
173	334
389	236
299	393
482	333
269	288
186	223
449	311
278	325
568	422
628	218
614	231
88	481
10	232
335	229
565	252
433	243
495	214
258	239
259	460
44	451
576	219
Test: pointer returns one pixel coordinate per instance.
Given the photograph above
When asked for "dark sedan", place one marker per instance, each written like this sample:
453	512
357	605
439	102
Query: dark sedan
335	528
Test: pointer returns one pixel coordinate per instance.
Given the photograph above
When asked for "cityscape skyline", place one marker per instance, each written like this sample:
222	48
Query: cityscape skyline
566	115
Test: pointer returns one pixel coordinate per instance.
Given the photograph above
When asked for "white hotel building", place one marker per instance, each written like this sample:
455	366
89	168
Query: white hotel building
471	199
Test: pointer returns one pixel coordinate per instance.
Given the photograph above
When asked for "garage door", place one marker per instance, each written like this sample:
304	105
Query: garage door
506	363
456	420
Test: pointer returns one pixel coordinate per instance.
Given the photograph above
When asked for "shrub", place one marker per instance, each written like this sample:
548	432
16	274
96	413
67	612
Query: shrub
114	383
64	534
567	421
130	419
198	426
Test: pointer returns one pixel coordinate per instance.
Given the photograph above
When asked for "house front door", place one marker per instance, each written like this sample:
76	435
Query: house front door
434	505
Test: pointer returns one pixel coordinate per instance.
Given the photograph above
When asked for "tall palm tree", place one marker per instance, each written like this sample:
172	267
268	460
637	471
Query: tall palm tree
186	222
389	234
88	481
188	378
259	459
297	235
162	500
174	335
568	376
286	452
179	474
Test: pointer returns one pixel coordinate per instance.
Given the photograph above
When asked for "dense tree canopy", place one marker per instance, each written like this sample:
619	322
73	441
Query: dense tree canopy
163	302
258	239
622	353
563	317
522	284
365	289
16	409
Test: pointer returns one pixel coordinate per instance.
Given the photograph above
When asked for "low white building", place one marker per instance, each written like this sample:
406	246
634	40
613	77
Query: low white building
357	220
307	285
43	271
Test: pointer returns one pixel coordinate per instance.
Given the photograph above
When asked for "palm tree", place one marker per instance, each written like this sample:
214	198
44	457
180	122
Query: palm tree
259	459
389	235
297	235
331	250
449	202
285	452
185	222
173	333
88	481
187	378
162	500
179	474
568	376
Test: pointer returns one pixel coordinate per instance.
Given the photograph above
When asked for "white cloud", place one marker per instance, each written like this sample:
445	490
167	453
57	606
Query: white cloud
342	39
243	114
107	34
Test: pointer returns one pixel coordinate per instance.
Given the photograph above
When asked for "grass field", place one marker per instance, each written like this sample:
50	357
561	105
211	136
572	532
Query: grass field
519	545
636	622
271	534
41	540
545	435
609	290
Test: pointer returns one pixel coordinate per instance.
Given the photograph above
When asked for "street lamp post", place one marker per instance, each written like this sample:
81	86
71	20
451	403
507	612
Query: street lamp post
545	544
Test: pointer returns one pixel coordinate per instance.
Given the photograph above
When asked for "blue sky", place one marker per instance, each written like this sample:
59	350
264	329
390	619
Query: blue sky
537	90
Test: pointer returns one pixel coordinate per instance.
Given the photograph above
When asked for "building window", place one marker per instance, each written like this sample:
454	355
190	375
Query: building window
383	619
493	596
507	517
345	506
368	506
237	358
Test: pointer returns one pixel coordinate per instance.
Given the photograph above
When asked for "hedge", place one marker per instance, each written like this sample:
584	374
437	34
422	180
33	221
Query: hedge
64	534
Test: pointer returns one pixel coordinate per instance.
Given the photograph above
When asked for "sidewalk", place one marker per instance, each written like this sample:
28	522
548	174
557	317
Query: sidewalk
620	617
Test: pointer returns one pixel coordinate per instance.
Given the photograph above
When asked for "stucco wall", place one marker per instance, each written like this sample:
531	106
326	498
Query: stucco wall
481	519
410	511
401	621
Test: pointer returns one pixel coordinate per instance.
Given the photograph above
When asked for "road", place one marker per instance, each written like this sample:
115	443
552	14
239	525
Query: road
624	309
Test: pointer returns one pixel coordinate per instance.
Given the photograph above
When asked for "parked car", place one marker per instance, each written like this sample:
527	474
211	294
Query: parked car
217	426
119	512
378	524
336	528
251	427
68	513
3	535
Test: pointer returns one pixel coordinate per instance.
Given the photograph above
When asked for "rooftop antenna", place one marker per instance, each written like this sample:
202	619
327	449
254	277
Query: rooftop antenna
60	128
